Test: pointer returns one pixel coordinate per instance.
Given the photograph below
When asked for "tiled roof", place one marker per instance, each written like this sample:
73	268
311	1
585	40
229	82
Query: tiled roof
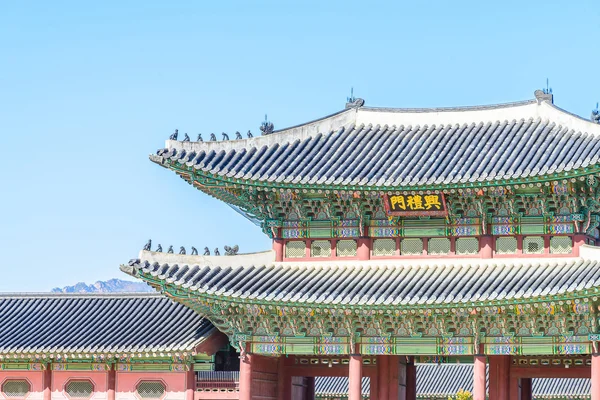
441	381
59	323
374	282
403	148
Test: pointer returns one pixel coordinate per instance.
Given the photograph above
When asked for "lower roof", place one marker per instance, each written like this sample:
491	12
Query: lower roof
33	324
389	283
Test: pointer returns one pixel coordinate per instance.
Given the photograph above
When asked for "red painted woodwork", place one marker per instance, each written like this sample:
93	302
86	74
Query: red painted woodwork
383	372
526	389
190	384
595	377
278	248
363	250
499	377
411	380
112	384
479	378
213	343
355	377
486	246
246	377
578	241
310	388
47	382
394	377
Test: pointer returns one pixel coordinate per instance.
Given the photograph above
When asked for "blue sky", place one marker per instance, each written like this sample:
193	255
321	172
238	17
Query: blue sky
89	89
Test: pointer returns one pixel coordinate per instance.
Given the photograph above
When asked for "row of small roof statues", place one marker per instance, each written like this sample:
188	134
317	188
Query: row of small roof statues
229	251
213	137
266	128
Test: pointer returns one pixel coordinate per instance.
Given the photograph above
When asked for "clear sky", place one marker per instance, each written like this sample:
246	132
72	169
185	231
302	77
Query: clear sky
89	89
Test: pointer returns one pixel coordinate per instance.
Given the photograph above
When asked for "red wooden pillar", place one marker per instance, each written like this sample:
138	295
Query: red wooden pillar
364	249
355	377
383	378
595	378
278	248
526	386
578	241
395	378
47	382
310	388
246	377
411	380
190	383
284	381
112	383
486	246
479	378
500	377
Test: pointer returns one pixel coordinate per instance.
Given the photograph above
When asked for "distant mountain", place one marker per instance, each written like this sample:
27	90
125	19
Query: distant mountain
110	286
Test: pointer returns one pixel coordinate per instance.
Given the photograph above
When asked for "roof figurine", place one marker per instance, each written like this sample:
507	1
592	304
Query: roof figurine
148	245
174	135
182	250
199	138
213	137
194	251
217	251
267	127
249	134
231	251
206	251
238	135
225	136
186	138
159	248
170	250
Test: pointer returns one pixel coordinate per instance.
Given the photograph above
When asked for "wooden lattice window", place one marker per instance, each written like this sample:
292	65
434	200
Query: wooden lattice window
151	389
561	245
384	247
79	389
533	245
438	246
15	388
506	245
295	249
411	247
466	246
320	248
346	248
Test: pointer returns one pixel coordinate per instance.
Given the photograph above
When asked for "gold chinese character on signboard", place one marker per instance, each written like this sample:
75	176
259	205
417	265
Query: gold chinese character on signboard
433	201
398	202
415	202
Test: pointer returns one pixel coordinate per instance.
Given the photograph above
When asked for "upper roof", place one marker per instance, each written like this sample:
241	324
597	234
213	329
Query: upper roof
384	283
97	323
364	147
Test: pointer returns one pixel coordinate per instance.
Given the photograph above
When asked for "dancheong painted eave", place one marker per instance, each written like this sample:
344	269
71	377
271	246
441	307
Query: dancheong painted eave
378	284
365	148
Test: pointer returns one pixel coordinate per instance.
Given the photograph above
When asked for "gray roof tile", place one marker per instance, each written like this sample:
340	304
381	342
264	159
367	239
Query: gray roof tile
65	323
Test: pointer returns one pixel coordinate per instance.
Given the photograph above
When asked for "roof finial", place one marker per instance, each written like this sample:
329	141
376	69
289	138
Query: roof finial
544	94
595	115
267	126
353	102
351	99
548	89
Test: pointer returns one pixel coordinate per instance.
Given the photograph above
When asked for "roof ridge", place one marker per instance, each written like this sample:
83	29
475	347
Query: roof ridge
452	108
